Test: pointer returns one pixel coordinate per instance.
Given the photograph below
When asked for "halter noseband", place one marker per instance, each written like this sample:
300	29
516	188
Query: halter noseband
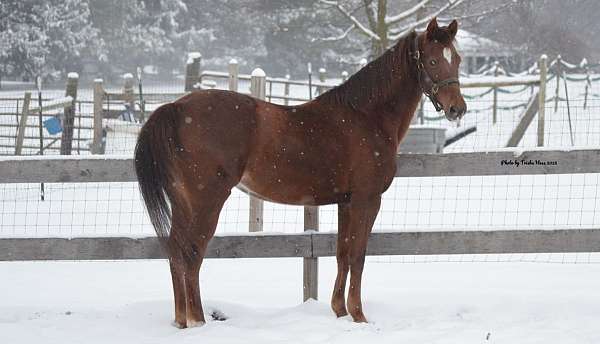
435	85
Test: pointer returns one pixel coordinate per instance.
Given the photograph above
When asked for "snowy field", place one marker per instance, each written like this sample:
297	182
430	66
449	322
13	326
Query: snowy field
131	302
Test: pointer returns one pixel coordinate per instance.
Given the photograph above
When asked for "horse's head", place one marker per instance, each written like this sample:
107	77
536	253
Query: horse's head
437	66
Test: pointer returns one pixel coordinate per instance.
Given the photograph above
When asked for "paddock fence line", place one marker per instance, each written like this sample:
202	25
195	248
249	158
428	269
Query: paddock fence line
309	244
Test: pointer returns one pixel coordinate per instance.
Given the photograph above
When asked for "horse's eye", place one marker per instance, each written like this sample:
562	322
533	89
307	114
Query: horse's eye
433	62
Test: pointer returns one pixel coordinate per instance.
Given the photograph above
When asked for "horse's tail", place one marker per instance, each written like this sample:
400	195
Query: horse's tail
154	165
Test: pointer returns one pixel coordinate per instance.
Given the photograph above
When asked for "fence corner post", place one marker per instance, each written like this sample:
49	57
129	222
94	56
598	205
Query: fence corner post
344	76
98	114
542	64
192	70
310	280
233	70
258	89
66	140
322	77
286	90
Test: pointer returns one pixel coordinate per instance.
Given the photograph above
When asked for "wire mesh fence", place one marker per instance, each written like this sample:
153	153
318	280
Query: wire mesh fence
410	204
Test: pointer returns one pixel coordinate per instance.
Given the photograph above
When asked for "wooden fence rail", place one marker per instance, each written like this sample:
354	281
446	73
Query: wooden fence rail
118	168
312	244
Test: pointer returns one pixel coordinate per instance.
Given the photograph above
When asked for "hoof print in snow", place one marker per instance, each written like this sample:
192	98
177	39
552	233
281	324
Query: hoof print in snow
218	315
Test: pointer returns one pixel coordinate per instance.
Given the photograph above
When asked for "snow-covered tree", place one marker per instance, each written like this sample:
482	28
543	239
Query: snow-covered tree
46	39
383	22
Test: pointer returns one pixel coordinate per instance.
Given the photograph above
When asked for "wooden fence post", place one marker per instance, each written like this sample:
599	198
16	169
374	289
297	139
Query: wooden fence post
311	265
66	140
495	96
22	124
362	63
322	78
557	73
128	95
286	90
344	76
542	64
192	70
98	114
233	69
258	90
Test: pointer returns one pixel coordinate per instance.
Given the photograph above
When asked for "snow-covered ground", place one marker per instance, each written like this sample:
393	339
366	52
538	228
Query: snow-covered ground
131	302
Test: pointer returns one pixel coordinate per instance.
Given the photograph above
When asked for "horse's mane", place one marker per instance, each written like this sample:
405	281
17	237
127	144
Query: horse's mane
374	82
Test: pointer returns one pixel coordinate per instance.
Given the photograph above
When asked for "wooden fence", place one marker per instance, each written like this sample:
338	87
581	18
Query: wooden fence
196	78
311	244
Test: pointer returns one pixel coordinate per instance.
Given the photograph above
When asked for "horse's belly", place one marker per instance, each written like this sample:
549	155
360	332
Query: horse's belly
298	190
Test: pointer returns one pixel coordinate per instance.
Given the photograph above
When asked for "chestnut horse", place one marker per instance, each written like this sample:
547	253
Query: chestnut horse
339	148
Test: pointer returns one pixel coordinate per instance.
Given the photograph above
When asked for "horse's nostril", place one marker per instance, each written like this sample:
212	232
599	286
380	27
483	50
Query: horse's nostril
453	110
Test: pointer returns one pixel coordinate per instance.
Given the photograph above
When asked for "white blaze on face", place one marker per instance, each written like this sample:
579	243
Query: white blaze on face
448	55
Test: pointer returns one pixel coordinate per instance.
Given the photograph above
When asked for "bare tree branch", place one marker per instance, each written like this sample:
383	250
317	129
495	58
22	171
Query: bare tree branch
370	14
363	29
404	31
335	38
408	13
480	14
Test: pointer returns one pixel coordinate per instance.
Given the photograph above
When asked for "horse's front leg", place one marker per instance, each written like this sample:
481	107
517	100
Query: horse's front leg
338	299
360	216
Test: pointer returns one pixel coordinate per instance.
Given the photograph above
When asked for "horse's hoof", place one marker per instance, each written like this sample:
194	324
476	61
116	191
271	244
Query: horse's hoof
178	325
339	308
194	323
340	312
359	318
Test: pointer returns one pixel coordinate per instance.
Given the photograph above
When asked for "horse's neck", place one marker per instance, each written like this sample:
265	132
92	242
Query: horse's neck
397	111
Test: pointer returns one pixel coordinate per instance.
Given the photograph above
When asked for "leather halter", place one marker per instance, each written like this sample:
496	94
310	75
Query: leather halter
435	86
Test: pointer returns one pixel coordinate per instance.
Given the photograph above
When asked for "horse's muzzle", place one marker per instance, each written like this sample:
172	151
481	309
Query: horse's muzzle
455	112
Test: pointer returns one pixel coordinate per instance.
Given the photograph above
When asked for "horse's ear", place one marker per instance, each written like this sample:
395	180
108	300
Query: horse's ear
432	27
452	28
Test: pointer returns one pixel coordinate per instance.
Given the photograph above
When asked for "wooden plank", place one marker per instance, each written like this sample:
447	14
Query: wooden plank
66	169
311	244
260	246
500	81
258	89
66	140
469	242
542	100
98	114
526	118
310	266
192	71
57	104
115	168
109	248
494	163
22	124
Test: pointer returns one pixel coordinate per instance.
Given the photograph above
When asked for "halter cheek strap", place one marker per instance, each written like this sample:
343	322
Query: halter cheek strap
435	86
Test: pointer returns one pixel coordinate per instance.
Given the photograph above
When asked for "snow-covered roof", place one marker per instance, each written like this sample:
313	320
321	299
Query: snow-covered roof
470	44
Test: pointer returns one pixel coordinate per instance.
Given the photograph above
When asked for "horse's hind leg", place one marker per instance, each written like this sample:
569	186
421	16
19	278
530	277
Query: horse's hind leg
176	245
205	211
178	278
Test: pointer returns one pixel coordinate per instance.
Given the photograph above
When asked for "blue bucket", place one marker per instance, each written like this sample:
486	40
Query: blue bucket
53	125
